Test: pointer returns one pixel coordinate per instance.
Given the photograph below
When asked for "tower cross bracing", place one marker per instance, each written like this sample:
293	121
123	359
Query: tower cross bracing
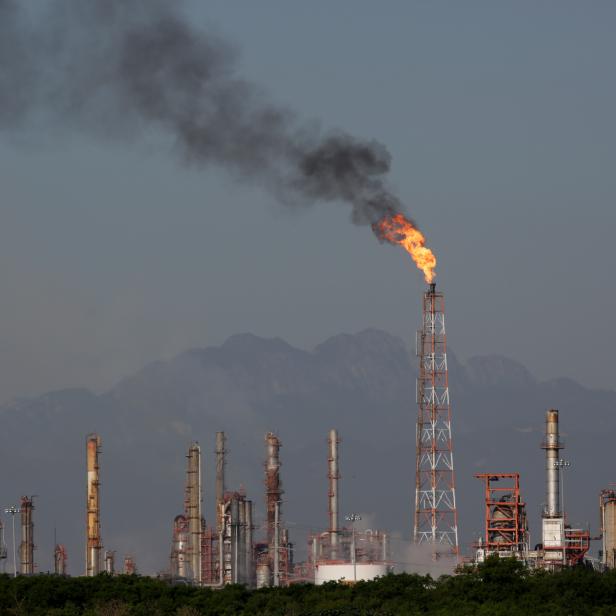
436	517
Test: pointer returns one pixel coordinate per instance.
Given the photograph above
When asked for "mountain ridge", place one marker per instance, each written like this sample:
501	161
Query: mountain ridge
362	384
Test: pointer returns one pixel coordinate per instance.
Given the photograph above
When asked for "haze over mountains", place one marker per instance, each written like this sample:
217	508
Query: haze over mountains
362	384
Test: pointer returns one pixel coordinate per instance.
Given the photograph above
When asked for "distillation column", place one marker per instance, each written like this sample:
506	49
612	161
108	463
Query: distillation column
181	548
333	475
193	510
274	492
220	480
110	562
248	551
436	516
553	522
26	547
59	559
607	503
94	544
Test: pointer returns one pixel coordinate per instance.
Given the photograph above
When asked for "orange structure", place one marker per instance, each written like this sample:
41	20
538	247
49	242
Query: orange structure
506	526
577	543
94	543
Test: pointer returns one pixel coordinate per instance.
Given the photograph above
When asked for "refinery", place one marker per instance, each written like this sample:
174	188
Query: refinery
229	549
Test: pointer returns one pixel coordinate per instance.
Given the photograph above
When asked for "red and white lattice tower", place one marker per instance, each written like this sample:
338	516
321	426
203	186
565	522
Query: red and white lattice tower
436	516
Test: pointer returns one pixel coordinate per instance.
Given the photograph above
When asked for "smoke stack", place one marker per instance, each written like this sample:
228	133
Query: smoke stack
333	476
193	509
94	543
552	446
26	548
162	74
220	479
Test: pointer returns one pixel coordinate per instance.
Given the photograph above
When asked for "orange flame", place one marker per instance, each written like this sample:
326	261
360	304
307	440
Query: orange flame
397	229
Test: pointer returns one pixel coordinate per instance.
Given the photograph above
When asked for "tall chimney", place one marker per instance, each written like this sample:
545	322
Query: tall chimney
220	479
273	488
552	446
26	548
333	476
94	543
193	510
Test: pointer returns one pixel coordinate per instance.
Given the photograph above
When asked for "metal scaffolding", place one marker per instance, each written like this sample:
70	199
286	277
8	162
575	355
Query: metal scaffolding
436	517
506	526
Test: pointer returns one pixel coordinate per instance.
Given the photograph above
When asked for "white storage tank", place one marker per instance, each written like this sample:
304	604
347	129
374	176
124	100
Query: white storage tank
347	572
263	575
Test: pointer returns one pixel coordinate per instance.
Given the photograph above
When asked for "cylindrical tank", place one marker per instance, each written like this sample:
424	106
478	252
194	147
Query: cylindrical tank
241	542
501	520
110	562
93	526
263	575
235	523
220	478
26	548
346	572
609	530
59	560
333	476
249	569
181	547
193	510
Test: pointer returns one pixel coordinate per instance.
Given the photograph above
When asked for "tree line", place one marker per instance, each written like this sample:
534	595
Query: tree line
498	587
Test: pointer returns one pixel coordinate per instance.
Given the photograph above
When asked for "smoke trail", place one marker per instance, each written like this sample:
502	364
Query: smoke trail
128	68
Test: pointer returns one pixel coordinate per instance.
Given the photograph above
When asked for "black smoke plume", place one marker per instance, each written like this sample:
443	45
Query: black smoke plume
129	68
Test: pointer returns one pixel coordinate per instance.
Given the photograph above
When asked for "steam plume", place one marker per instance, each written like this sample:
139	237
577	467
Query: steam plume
126	68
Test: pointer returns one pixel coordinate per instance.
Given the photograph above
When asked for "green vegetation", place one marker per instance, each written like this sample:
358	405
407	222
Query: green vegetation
496	588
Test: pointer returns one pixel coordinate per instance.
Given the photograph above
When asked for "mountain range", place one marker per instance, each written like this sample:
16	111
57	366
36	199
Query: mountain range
361	384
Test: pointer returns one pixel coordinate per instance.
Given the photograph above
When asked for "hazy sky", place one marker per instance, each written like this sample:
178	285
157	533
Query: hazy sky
500	120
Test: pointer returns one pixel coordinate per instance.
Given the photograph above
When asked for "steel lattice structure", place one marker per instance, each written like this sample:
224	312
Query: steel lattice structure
436	517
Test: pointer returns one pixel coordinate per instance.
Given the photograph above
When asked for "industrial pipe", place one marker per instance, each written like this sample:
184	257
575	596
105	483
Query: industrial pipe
94	543
552	446
220	479
333	476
